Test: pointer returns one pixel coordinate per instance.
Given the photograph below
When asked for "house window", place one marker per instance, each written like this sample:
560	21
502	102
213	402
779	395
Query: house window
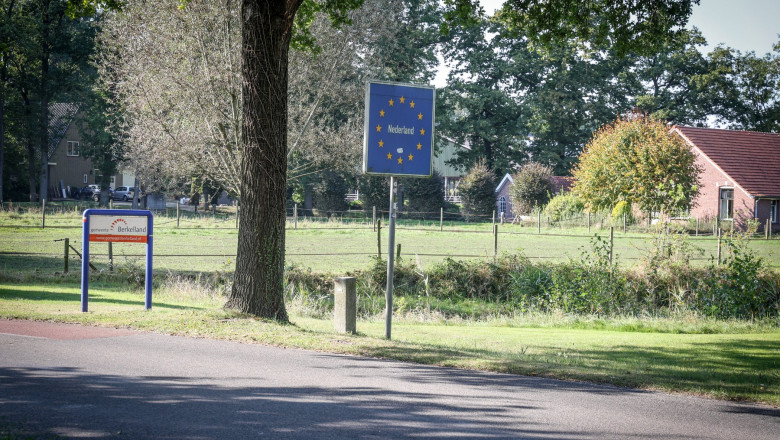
502	205
773	210
85	178
73	148
113	180
726	203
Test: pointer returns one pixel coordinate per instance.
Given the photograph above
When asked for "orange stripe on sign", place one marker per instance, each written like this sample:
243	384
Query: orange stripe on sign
118	238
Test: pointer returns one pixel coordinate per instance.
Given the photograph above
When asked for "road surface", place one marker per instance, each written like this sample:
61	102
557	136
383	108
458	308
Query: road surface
82	382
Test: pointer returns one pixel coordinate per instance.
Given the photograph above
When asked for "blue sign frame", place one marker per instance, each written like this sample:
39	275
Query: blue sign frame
85	250
399	129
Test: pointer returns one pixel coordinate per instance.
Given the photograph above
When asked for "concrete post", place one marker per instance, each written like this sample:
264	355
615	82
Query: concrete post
344	305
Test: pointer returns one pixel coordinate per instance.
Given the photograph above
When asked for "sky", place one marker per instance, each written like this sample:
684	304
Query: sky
745	25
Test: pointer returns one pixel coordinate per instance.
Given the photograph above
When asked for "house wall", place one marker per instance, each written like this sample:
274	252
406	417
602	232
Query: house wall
764	213
504	192
707	202
71	169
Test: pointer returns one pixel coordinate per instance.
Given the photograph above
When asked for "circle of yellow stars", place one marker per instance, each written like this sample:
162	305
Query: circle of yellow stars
382	112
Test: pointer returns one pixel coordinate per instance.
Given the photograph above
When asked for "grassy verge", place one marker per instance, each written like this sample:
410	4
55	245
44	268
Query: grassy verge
737	360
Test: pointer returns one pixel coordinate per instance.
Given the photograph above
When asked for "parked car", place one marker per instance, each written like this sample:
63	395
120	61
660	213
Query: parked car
125	193
91	192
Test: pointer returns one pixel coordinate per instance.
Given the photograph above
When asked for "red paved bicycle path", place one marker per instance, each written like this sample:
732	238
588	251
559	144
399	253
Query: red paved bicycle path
53	330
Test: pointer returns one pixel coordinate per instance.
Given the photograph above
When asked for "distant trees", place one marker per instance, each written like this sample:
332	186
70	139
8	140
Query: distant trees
45	47
637	161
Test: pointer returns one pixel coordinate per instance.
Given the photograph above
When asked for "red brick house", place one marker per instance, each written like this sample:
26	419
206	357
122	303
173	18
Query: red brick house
741	174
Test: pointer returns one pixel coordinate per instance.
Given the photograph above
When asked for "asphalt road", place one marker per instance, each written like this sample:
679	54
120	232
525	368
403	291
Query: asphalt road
80	382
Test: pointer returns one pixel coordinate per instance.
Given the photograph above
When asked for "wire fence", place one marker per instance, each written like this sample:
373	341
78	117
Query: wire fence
582	227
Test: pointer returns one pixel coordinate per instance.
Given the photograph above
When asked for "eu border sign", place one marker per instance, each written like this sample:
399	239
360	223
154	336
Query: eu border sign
398	132
116	225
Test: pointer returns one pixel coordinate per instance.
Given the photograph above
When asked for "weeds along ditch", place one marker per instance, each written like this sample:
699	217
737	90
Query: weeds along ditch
739	288
673	275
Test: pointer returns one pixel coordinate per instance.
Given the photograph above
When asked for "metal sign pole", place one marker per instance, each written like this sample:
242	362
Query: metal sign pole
149	259
390	261
85	265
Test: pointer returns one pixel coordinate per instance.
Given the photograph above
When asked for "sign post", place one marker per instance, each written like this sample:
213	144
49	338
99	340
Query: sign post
397	141
116	225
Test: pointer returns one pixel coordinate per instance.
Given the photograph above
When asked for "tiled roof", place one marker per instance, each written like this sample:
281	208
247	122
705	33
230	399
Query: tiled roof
561	184
60	117
750	158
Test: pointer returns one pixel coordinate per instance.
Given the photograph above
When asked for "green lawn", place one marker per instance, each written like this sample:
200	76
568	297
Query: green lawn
740	365
332	247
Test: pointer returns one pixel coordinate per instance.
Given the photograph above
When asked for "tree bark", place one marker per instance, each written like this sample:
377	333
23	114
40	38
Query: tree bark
259	277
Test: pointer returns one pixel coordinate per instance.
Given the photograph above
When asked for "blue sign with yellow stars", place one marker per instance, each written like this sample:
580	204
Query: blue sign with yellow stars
398	136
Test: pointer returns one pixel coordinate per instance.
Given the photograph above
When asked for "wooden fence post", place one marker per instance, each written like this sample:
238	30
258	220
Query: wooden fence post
67	252
398	252
43	214
495	241
588	222
379	238
373	218
611	244
539	222
494	219
110	256
768	226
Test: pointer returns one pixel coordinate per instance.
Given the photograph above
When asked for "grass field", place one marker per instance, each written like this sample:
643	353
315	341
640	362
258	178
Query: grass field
741	364
209	244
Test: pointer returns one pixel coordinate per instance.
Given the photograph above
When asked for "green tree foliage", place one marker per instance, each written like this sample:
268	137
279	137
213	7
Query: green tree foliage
100	141
637	160
425	196
475	108
477	191
532	187
627	25
375	192
329	192
744	89
669	86
45	47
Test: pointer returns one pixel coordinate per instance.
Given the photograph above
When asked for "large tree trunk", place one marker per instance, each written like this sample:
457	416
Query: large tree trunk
2	125
266	31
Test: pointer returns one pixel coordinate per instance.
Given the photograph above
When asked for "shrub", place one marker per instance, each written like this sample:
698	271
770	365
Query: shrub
424	195
622	208
329	193
477	191
531	188
564	206
374	191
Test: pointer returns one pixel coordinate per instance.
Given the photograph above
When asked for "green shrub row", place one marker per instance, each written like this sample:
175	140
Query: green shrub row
738	288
